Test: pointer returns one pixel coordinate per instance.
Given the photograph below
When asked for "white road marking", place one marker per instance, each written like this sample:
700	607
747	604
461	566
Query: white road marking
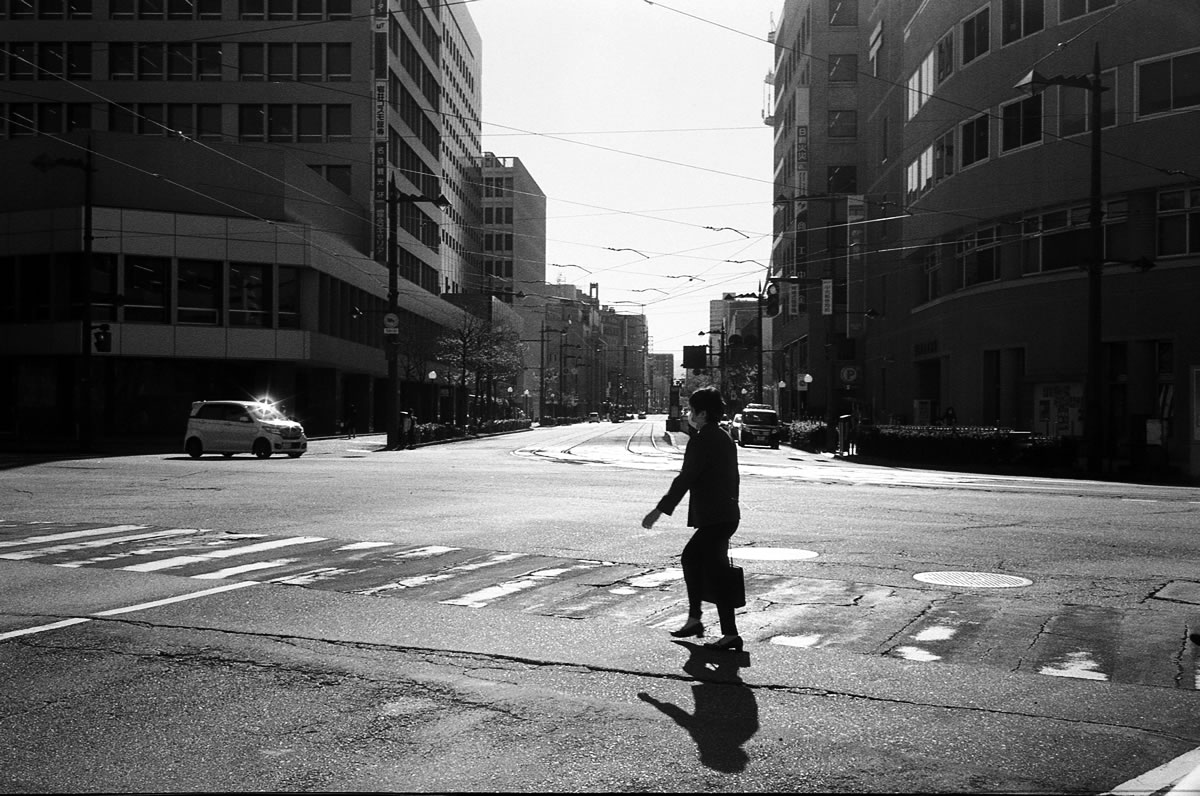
480	598
229	572
182	561
127	609
435	577
1165	775
41	628
365	545
22	555
58	537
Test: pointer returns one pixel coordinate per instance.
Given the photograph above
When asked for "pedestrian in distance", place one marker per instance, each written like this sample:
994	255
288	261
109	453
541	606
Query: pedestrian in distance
710	474
351	421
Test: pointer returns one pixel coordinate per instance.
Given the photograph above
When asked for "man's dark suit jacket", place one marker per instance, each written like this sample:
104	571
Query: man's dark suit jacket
710	473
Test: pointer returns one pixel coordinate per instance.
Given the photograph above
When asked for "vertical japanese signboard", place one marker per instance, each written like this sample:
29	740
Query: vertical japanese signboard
379	139
856	240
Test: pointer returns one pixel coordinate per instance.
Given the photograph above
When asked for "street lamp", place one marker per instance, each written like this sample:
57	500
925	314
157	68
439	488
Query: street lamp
1093	428
391	322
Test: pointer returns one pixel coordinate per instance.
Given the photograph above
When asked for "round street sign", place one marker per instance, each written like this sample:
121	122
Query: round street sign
391	323
849	374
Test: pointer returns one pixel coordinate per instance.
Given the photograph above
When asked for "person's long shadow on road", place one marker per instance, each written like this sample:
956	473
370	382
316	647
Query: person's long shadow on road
726	714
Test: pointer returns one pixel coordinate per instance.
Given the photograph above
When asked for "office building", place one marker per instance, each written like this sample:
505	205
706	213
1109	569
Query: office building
226	185
936	211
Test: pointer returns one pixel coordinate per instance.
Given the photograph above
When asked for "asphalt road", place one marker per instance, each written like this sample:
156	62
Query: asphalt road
489	615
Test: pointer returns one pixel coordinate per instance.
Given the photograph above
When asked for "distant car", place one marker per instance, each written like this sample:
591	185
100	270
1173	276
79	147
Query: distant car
756	427
593	417
229	427
641	416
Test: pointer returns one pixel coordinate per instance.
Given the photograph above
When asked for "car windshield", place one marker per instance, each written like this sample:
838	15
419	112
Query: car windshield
267	412
760	419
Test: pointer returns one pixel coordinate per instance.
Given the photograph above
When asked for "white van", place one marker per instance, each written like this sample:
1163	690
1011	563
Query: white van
229	427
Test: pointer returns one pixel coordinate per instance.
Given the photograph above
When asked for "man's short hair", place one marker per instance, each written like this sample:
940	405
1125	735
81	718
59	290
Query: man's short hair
709	401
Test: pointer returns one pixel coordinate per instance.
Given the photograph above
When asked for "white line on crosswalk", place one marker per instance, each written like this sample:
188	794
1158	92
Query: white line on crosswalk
23	555
182	561
435	577
229	572
480	598
58	537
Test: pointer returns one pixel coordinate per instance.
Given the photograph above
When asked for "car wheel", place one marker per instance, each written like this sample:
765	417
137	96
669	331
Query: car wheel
193	448
262	448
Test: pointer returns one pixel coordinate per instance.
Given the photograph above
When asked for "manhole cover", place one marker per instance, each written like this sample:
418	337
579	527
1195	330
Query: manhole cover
772	553
974	580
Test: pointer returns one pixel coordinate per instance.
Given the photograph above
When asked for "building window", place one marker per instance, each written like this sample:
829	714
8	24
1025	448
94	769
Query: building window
249	295
843	68
199	291
289	297
978	257
1069	9
943	157
1075	106
146	289
944	57
338	175
46	9
843	124
1179	222
874	46
920	86
281	123
294	9
281	65
931	273
842	179
1063	239
843	13
976	36
1170	84
974	142
1021	18
302	123
1021	123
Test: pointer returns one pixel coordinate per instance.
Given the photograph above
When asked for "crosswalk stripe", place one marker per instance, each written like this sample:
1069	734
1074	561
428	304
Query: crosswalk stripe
38	552
182	561
229	572
58	537
480	598
261	546
436	577
164	563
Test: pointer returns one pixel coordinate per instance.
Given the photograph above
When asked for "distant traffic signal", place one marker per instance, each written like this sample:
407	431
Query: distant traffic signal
695	356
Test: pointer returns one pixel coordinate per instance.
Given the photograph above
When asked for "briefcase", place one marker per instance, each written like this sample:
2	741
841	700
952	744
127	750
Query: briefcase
728	586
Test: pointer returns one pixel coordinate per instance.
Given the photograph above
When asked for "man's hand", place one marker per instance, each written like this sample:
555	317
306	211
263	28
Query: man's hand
651	518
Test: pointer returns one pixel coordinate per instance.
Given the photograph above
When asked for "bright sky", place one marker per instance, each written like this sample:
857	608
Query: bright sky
642	123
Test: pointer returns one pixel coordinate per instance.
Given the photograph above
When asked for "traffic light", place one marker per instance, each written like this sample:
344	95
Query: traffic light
772	299
102	336
695	356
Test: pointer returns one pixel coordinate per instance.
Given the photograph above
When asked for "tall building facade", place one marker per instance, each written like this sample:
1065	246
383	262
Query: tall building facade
228	185
937	220
514	227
